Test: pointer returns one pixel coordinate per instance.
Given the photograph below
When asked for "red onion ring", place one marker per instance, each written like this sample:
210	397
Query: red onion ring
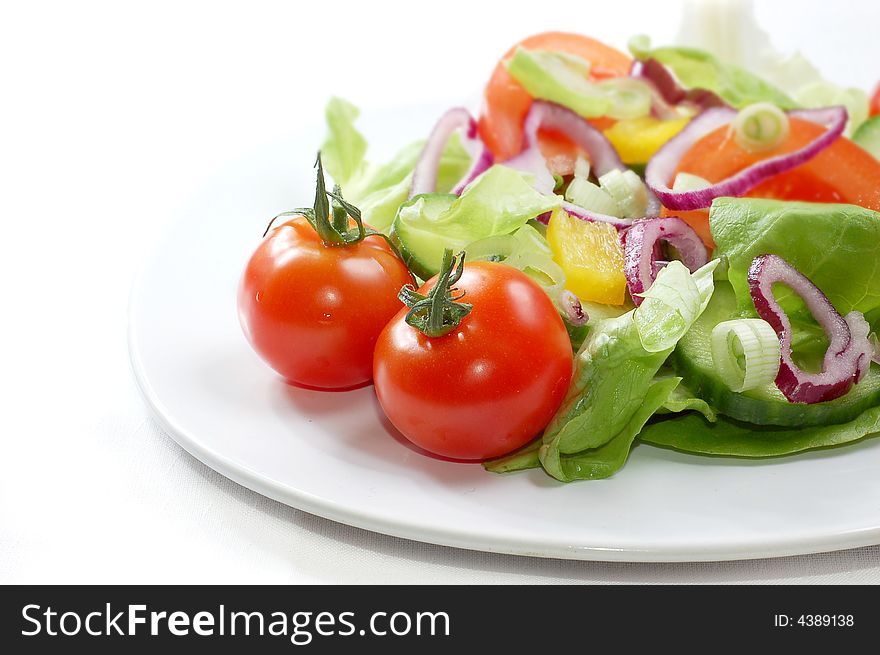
585	215
849	350
603	156
532	161
548	115
662	166
641	241
424	178
654	204
594	217
482	162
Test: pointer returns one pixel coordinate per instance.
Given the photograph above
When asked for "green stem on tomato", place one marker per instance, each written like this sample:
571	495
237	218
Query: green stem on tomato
330	217
440	311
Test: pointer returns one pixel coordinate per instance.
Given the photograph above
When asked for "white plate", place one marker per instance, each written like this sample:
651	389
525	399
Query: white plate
332	454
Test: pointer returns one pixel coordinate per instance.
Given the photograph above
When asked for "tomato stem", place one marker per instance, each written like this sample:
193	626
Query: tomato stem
440	311
330	215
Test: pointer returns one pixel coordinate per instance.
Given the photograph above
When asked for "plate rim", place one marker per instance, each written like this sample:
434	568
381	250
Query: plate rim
680	550
474	541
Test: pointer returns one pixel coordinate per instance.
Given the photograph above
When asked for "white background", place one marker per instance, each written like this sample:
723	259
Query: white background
111	115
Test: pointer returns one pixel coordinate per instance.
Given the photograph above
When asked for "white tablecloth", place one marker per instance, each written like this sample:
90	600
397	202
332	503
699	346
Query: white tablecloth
116	113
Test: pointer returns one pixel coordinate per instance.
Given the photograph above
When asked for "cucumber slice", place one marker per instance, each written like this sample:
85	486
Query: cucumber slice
692	360
415	232
868	136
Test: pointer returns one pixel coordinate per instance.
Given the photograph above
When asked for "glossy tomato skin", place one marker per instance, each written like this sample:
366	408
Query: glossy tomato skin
312	312
842	173
489	386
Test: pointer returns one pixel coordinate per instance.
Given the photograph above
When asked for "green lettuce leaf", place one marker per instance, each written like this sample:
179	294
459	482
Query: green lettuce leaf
698	69
525	249
683	399
693	434
605	460
826	94
378	190
615	370
668	309
344	148
500	201
523	459
836	246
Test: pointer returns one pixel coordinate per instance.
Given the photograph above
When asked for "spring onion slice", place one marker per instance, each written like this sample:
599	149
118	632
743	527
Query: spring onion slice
746	353
760	127
591	197
628	190
630	97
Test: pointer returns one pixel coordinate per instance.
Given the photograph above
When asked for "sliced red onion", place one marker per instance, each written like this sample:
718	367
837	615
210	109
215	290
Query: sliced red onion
849	349
594	217
641	260
663	165
482	162
425	174
669	93
532	161
574	310
603	157
547	115
585	215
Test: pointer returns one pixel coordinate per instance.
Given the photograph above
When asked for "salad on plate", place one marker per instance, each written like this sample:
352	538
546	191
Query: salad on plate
657	246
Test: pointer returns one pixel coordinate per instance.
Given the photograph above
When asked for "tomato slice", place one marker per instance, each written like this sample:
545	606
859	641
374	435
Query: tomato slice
875	102
506	103
843	172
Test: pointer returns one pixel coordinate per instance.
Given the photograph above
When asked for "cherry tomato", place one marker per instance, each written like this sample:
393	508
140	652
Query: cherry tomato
488	386
314	312
506	103
875	102
843	172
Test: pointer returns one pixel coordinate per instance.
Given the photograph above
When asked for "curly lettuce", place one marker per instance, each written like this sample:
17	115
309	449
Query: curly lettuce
836	246
699	69
615	389
379	190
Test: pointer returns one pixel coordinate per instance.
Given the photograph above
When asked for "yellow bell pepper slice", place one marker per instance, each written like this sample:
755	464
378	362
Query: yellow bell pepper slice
591	256
637	139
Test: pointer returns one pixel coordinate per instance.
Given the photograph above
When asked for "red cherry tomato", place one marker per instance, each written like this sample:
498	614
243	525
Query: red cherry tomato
314	312
491	384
